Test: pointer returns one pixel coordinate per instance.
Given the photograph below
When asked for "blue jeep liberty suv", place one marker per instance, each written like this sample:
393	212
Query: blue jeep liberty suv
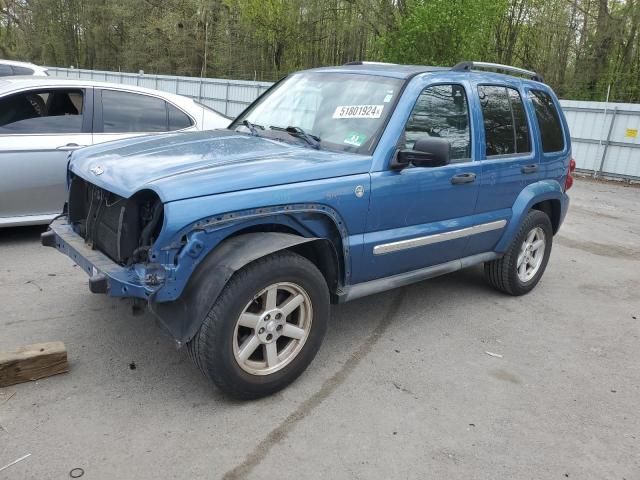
336	183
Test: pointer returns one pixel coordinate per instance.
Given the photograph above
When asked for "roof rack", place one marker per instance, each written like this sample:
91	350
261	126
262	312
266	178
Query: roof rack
360	62
469	66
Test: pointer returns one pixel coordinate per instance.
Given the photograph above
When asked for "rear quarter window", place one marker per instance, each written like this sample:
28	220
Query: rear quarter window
22	71
178	119
548	119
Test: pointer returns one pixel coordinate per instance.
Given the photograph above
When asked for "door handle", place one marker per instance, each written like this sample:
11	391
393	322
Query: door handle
467	177
533	168
69	147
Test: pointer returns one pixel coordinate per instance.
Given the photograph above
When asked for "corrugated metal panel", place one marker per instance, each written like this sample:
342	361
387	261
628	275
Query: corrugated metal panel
605	136
586	155
589	122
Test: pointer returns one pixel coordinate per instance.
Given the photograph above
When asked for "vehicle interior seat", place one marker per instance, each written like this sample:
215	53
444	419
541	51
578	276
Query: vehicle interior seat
38	103
15	109
60	104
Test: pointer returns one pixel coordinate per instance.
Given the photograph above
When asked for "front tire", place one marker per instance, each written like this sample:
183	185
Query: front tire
522	266
265	328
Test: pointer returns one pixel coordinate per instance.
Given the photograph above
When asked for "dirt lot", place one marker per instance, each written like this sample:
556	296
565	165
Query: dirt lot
402	387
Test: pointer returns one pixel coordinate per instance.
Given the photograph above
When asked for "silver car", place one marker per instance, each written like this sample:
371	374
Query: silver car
43	118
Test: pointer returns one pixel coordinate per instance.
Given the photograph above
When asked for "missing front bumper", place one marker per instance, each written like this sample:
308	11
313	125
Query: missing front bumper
105	275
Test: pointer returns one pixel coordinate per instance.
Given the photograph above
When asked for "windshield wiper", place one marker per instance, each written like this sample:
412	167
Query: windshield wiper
298	132
252	127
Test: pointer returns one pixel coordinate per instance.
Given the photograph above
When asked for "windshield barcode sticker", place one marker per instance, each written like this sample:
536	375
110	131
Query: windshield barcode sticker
358	111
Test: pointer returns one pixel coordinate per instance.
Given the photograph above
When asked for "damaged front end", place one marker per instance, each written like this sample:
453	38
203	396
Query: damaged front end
111	238
122	228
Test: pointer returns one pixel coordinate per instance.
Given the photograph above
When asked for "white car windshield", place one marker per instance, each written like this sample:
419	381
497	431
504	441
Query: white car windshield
335	111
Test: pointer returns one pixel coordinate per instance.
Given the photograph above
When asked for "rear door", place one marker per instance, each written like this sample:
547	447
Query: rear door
120	114
509	157
38	129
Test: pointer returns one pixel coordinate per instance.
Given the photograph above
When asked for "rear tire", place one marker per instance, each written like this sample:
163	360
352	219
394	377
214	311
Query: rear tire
253	342
522	266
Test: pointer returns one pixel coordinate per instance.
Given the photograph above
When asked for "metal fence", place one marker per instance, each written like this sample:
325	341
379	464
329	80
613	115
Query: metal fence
605	136
226	96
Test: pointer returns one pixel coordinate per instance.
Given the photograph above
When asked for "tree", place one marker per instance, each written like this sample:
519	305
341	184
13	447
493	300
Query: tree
580	46
443	32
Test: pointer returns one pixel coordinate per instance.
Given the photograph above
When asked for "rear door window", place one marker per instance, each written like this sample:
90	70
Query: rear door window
505	121
42	112
126	112
548	121
521	126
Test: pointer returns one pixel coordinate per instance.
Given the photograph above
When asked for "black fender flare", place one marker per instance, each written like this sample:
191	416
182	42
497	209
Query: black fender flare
184	316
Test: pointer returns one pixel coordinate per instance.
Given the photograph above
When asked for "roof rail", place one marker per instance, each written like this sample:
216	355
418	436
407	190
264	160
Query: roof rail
469	66
360	62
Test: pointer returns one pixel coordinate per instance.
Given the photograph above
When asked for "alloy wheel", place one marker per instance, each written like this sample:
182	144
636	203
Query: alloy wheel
531	254
272	328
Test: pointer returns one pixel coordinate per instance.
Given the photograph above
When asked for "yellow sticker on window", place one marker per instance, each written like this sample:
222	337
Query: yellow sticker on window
631	133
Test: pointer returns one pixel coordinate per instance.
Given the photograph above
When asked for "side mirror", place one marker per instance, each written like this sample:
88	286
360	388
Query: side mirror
427	152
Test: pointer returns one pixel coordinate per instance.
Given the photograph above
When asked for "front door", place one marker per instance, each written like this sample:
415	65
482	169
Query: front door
419	216
38	129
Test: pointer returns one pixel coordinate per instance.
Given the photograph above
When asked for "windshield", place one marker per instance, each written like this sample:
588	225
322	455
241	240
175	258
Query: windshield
344	112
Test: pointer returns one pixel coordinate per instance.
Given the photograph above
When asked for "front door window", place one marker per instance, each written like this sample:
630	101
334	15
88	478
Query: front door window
441	111
42	112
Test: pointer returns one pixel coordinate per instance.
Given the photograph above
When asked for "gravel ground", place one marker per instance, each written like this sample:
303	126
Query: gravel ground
402	387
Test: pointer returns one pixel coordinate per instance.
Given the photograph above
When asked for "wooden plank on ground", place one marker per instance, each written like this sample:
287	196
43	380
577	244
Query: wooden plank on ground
32	362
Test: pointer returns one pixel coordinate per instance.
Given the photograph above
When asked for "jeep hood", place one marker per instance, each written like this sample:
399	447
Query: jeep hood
184	165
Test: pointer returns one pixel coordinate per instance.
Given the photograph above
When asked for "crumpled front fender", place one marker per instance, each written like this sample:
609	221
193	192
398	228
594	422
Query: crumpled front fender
183	317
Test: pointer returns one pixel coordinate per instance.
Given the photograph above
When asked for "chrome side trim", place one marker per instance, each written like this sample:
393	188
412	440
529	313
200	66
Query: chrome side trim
359	290
438	237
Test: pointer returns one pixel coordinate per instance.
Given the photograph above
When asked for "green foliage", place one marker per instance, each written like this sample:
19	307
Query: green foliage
582	47
443	32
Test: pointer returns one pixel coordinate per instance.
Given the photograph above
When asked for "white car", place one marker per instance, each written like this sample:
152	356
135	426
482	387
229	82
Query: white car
10	68
42	119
